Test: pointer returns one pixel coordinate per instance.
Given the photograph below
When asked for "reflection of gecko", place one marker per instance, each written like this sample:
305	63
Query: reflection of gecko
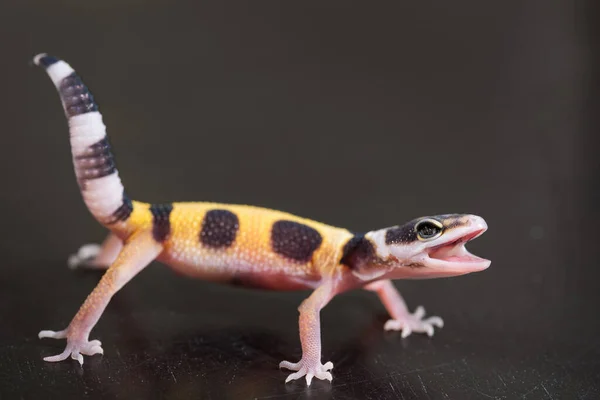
244	245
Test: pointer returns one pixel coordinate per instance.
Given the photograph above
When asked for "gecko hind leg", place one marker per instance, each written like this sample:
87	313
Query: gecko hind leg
402	319
94	256
140	250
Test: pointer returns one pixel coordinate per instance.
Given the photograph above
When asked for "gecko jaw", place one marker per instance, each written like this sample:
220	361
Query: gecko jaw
454	256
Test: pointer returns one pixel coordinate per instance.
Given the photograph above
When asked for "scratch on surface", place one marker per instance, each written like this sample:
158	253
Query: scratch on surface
173	375
422	384
483	394
546	390
527	393
474	386
407	382
394	390
501	380
232	378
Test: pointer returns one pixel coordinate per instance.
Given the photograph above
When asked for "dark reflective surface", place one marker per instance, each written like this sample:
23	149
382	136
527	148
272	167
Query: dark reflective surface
362	118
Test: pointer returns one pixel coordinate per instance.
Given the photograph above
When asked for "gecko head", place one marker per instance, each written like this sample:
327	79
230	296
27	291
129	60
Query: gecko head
427	247
435	246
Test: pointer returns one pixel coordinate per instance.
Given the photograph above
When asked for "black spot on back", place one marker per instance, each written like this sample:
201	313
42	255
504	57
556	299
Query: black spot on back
358	250
294	240
76	97
401	234
219	228
161	224
97	162
124	211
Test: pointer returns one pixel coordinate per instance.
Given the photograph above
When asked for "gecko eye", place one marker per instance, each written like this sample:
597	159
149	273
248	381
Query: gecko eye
428	229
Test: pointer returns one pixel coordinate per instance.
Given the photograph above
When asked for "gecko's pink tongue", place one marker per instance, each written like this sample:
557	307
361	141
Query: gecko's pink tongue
456	251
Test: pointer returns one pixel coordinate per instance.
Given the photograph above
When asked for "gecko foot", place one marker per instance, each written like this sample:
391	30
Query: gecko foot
309	369
414	323
75	347
84	255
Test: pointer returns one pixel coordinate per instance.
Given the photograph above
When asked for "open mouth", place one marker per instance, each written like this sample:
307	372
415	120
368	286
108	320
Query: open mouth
454	252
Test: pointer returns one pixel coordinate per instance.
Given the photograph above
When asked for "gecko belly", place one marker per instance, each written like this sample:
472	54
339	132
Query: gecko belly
243	273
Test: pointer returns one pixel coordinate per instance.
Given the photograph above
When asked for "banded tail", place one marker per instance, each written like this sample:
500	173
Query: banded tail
94	163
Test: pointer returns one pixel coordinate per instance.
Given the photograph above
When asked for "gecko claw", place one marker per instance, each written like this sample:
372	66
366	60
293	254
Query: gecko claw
308	369
414	323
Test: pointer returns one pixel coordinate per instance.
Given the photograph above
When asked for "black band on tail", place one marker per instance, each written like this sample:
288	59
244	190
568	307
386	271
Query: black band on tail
44	60
76	97
124	211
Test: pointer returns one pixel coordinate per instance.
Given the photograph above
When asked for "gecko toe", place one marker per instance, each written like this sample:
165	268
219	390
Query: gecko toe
419	312
436	321
53	334
295	376
59	357
289	365
77	356
84	255
91	350
309	378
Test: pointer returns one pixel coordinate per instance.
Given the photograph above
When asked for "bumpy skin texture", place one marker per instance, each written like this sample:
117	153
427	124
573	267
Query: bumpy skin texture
237	244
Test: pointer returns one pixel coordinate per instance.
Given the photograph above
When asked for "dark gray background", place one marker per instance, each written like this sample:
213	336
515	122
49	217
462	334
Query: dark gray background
358	116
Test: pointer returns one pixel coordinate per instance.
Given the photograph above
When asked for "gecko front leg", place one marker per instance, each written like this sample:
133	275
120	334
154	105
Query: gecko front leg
94	256
402	319
310	338
137	253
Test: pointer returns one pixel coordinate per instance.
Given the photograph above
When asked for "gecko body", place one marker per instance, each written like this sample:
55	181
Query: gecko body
244	245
